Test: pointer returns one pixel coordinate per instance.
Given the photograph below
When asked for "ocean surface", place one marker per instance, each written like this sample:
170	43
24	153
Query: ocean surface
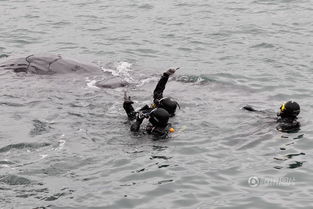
66	144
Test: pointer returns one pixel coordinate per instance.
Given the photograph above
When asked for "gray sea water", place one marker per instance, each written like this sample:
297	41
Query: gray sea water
66	144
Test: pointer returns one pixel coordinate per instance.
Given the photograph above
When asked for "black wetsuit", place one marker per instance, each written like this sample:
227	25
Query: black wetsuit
285	124
136	118
288	124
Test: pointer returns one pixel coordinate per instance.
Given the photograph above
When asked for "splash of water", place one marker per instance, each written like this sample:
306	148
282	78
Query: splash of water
122	70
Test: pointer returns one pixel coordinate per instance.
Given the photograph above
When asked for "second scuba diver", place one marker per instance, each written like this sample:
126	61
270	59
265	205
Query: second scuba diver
286	117
158	113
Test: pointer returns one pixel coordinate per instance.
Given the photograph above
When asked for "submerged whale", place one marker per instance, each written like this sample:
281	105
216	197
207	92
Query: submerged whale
47	65
56	64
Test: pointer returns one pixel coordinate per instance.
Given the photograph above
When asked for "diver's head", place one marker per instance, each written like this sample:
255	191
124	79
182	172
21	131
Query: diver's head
289	109
159	117
168	104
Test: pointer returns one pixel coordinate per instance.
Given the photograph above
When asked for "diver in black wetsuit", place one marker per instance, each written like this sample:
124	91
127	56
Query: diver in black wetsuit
286	117
158	118
159	112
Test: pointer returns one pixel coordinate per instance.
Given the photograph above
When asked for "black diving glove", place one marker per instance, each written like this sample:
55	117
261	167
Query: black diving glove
127	99
142	116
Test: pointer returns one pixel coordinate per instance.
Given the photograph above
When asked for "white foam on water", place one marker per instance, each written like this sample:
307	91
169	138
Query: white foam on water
91	83
5	165
122	70
61	143
147	80
199	80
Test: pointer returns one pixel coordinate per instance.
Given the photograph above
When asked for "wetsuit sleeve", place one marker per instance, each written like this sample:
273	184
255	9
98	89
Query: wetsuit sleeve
249	108
128	107
136	125
132	115
158	91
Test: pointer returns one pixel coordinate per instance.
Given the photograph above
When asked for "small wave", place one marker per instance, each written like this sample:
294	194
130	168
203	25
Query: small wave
23	146
14	180
40	128
65	192
201	79
288	156
54	197
263	45
11	104
5	163
270	2
3	55
61	143
146	6
165	181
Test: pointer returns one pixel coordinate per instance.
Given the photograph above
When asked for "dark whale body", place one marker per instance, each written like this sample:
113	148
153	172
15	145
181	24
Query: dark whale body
56	64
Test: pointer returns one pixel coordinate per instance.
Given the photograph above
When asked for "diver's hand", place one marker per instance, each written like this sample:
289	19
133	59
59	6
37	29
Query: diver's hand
139	118
127	98
142	115
171	71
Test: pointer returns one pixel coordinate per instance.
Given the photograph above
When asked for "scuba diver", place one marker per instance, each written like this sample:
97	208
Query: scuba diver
158	113
286	117
158	118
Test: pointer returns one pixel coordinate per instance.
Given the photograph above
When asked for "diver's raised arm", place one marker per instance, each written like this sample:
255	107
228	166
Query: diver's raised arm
159	89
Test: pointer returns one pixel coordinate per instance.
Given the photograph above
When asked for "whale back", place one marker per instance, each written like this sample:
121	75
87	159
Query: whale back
49	64
55	64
